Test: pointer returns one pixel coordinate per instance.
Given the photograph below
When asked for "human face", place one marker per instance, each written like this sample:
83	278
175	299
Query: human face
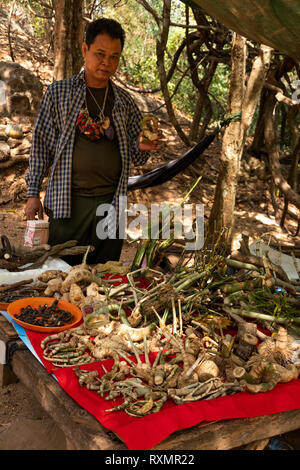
101	60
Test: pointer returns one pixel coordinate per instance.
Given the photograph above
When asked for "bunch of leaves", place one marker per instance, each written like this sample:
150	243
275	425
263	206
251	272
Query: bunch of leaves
265	300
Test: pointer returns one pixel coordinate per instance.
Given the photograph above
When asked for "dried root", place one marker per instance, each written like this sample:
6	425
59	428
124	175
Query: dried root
76	295
278	349
50	275
53	286
189	365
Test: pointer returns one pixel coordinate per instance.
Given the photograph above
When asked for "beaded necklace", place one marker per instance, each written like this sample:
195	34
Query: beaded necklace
95	128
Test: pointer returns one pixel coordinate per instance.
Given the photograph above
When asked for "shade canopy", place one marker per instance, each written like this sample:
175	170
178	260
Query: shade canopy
275	23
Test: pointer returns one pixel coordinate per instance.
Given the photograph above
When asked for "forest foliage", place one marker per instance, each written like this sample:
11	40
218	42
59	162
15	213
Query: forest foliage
210	43
198	67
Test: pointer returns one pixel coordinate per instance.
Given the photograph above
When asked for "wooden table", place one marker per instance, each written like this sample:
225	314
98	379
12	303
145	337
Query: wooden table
84	432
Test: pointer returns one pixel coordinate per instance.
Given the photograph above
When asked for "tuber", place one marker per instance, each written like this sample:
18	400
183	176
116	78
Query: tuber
76	295
51	274
53	286
75	276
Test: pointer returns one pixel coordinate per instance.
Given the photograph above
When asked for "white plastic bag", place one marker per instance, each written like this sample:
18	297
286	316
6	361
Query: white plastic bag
7	277
286	262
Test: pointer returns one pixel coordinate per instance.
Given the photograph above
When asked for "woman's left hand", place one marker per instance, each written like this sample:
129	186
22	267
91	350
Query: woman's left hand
148	145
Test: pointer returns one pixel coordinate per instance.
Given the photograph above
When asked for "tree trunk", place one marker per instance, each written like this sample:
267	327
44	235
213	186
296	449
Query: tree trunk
203	101
244	101
221	216
285	66
259	134
272	146
196	117
68	38
292	179
161	45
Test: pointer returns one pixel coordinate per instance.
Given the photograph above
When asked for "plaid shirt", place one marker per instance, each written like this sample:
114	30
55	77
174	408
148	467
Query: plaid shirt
53	141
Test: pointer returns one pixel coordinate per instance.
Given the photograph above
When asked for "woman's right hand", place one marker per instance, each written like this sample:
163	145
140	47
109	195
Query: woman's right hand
34	207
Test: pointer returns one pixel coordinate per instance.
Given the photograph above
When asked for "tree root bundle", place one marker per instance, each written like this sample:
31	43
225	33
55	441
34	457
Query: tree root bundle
15	257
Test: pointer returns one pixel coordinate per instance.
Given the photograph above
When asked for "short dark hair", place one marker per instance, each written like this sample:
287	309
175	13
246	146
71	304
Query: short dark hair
104	26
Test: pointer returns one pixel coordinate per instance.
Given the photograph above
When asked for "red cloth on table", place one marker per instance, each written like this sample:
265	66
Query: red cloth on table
145	432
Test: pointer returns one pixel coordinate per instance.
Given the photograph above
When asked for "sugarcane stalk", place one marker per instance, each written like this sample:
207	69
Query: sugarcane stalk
240	265
263	316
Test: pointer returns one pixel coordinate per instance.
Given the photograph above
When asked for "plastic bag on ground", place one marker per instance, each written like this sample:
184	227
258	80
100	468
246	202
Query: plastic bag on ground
7	277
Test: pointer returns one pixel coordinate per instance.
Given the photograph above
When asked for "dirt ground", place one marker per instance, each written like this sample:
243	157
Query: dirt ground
23	423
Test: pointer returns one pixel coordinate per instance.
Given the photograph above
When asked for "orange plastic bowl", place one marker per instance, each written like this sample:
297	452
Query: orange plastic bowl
15	307
4	305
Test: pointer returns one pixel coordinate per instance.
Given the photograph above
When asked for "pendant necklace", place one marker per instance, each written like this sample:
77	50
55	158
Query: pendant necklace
95	128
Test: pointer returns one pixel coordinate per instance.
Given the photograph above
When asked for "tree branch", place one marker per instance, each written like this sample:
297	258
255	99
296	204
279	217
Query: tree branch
280	96
151	10
273	152
45	5
137	89
9	29
39	15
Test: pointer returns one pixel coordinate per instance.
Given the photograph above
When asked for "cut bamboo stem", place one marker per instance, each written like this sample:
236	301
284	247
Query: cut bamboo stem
180	318
174	316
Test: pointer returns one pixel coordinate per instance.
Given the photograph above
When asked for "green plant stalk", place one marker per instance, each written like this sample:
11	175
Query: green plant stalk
86	255
117	289
239	265
238	286
178	275
220	283
190	281
149	247
139	256
150	253
267	302
166	243
263	316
